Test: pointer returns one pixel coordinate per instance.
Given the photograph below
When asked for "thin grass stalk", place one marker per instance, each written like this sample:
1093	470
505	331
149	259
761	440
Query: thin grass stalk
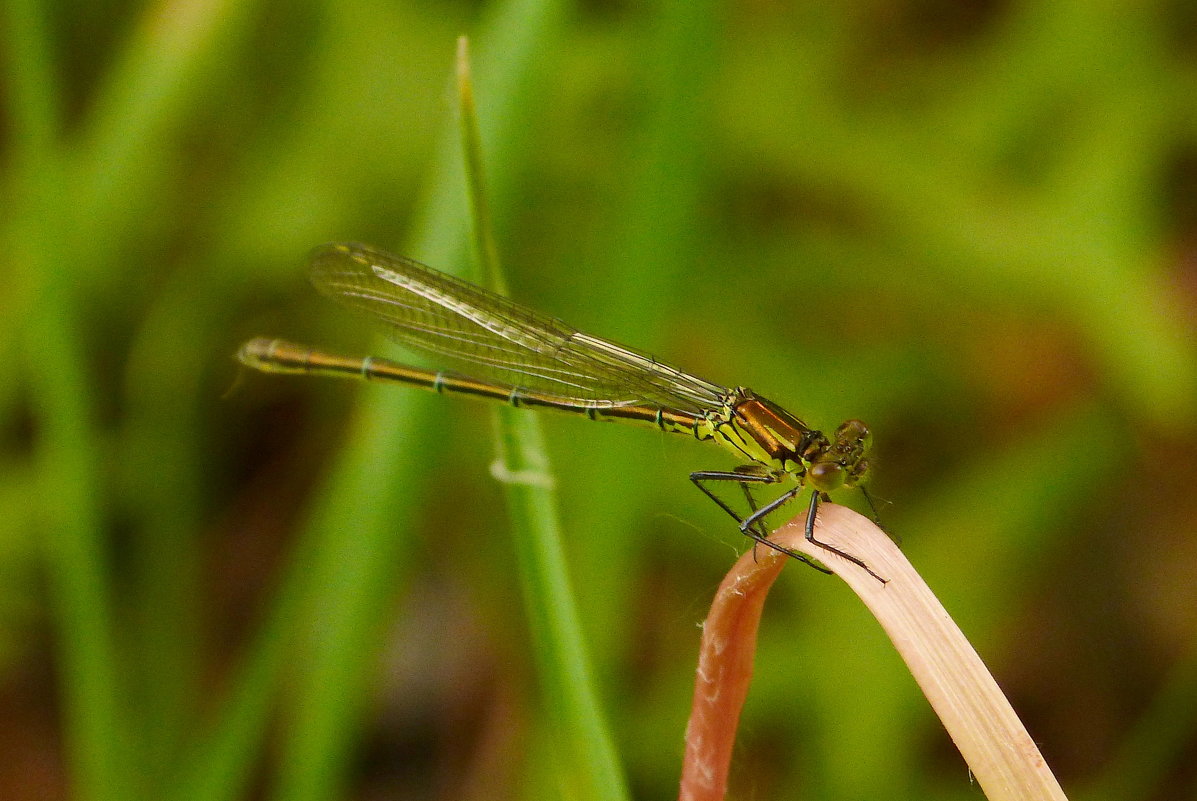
66	443
364	520
587	762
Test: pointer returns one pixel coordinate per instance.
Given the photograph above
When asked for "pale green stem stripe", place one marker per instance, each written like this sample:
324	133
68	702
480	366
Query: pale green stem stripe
587	763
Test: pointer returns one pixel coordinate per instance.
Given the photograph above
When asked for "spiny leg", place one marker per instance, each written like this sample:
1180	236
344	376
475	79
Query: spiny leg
753	526
876	517
741	477
815	497
750	499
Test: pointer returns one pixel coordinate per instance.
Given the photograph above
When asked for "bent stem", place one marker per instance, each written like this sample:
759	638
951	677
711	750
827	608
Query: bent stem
979	719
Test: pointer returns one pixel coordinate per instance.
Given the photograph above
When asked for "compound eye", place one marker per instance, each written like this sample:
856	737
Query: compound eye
854	431
827	476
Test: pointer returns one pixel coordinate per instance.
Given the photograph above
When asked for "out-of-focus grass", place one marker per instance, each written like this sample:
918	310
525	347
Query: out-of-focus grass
974	230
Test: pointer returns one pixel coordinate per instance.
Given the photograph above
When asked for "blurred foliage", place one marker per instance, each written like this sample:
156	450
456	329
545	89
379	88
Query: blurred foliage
973	225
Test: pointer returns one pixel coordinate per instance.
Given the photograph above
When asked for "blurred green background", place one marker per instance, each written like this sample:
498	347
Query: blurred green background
972	225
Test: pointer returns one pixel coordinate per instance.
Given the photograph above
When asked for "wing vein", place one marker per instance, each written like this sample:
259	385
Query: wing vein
494	337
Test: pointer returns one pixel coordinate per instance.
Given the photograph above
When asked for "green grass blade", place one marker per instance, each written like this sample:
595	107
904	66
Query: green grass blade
586	761
365	517
154	84
66	446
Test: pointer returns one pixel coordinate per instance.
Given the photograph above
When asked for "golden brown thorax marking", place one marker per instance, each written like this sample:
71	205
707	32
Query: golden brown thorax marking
762	432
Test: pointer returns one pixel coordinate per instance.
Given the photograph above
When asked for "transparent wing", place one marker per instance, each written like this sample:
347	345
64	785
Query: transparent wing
495	337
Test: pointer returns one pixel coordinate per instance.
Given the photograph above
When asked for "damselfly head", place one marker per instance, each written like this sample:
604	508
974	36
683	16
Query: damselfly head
843	463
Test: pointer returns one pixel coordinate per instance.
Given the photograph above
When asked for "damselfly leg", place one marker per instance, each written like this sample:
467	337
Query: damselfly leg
753	525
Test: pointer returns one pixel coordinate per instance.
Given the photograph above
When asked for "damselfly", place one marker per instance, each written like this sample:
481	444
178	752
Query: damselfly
533	360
